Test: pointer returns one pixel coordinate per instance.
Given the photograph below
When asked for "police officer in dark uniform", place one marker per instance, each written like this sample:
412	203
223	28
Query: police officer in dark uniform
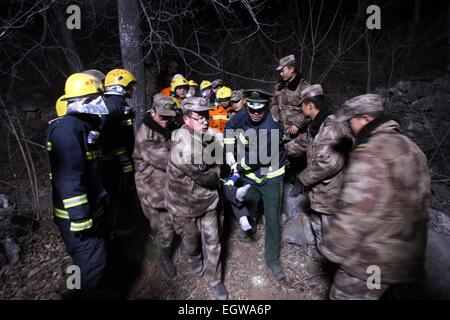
78	192
118	171
261	164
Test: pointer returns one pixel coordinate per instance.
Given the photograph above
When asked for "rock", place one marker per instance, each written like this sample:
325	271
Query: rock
12	250
437	261
298	231
294	203
442	84
414	89
4	201
439	222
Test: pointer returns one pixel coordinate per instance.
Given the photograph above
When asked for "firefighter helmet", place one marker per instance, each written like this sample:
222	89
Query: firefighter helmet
224	93
120	77
205	84
80	85
61	106
192	83
178	82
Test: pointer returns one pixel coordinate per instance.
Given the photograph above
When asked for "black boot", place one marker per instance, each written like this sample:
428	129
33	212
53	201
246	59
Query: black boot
219	292
166	263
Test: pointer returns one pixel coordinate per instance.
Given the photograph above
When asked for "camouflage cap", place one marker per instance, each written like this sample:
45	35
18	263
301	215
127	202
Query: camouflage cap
237	95
363	104
311	91
217	83
283	62
164	105
196	104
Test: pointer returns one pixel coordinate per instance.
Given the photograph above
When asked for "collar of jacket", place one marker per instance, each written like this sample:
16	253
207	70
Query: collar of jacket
152	124
314	126
291	85
368	130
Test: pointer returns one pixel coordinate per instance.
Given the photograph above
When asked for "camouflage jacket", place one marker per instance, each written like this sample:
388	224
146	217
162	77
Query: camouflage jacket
150	156
323	174
192	180
284	103
381	213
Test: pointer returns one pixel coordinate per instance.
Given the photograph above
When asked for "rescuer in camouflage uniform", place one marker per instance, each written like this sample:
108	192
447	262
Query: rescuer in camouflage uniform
323	174
284	103
150	156
380	217
191	189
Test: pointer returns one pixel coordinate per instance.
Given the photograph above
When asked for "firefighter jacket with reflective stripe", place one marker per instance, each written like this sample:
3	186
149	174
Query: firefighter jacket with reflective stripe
263	157
74	156
118	132
218	118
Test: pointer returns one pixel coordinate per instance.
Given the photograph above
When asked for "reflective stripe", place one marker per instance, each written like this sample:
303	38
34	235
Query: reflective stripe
49	146
50	176
218	117
254	177
90	155
242	139
63	214
75	201
120	151
107	157
127	122
275	173
127	168
361	145
270	175
79	226
229	140
244	165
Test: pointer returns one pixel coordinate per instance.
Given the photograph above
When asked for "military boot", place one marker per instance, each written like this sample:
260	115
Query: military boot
278	271
166	263
219	292
197	268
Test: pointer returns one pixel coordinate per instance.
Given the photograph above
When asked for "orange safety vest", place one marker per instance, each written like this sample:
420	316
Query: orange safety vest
219	118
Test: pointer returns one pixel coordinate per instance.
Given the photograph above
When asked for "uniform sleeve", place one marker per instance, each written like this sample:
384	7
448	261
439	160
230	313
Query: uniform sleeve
274	107
355	210
296	147
301	121
326	162
153	152
68	171
183	158
125	142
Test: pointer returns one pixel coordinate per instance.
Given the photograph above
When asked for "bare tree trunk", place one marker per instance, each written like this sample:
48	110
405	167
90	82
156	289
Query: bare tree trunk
71	52
132	57
369	64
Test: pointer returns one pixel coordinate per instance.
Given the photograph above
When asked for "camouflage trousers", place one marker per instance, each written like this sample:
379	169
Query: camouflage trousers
162	225
347	287
319	225
202	234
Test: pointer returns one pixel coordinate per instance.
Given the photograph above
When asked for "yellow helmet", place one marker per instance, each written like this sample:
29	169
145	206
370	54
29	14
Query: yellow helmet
224	93
81	84
177	82
205	84
119	77
61	106
193	83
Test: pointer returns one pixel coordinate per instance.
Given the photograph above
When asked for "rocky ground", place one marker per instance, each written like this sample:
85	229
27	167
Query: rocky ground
41	272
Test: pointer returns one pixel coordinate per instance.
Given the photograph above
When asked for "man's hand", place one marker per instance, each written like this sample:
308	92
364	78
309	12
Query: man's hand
293	130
